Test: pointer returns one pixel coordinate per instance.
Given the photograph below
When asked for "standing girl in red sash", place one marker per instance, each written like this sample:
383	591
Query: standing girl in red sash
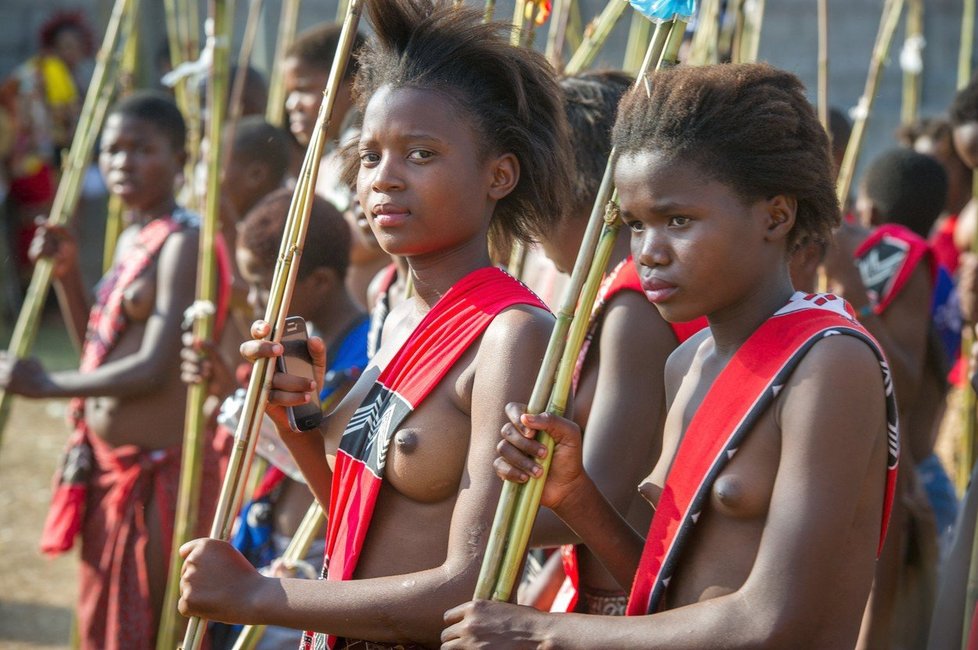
780	441
117	488
463	135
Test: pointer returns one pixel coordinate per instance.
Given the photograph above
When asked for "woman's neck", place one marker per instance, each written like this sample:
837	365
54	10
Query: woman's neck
433	275
733	325
142	216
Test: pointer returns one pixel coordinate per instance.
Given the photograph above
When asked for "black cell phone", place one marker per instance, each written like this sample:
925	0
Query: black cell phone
296	360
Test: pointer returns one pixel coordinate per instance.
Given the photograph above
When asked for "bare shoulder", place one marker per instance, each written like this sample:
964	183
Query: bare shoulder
520	328
681	361
630	317
180	246
838	389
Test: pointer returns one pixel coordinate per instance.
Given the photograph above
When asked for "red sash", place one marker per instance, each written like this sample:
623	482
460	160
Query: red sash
437	343
887	258
739	396
623	277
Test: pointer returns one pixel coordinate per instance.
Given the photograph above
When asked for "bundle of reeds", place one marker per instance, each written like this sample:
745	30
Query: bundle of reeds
518	504
280	295
912	62
203	313
94	109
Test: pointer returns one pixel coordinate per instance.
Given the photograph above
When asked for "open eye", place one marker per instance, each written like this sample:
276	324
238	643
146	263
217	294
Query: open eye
368	158
678	221
421	155
635	226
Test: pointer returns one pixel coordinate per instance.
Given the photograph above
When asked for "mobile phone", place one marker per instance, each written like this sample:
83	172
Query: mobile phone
296	360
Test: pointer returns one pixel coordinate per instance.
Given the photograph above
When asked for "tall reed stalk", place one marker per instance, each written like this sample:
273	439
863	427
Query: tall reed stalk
204	313
94	108
889	20
823	64
967	48
280	295
911	60
288	22
557	35
518	504
595	36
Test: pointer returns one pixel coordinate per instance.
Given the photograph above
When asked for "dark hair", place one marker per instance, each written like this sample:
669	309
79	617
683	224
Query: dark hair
747	125
255	140
62	21
907	188
591	103
327	242
316	46
964	108
936	128
840	128
254	94
158	109
509	94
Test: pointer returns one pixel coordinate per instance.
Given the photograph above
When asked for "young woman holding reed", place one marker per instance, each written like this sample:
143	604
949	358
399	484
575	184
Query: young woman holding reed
771	492
463	134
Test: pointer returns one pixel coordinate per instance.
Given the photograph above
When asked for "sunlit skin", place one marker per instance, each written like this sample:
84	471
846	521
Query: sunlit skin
304	85
619	401
793	516
903	333
135	397
429	196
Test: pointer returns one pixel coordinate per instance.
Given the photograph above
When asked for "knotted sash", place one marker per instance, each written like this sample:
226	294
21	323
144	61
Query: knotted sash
740	395
624	277
437	343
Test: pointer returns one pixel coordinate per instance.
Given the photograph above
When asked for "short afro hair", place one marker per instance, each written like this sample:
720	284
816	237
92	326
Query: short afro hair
591	103
255	140
964	108
508	94
327	242
158	109
316	47
747	125
906	188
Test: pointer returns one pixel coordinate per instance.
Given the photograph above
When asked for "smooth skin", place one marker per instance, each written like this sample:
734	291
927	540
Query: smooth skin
619	402
793	516
429	196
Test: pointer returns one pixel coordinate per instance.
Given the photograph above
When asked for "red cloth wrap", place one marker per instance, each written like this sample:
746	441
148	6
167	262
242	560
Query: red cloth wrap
440	339
742	392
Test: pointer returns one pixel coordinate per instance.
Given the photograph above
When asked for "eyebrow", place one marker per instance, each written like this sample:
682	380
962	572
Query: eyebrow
661	208
406	137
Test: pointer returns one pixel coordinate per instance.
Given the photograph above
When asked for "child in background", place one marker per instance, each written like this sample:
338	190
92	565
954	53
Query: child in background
306	69
118	486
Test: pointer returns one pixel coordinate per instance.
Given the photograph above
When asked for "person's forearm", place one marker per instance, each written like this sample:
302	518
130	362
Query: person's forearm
549	530
74	302
308	452
406	608
727	622
605	532
129	376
